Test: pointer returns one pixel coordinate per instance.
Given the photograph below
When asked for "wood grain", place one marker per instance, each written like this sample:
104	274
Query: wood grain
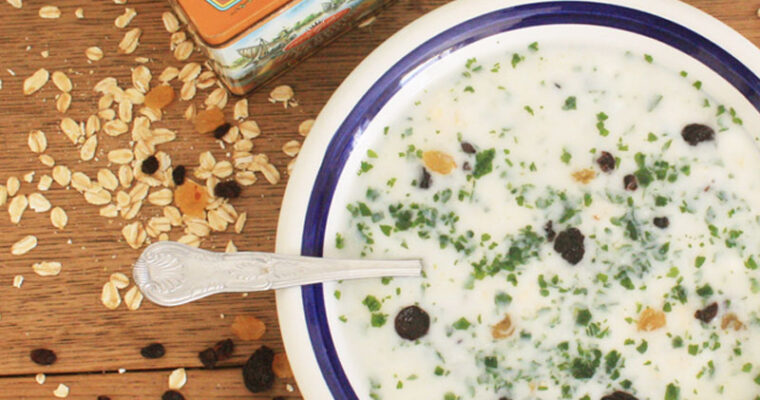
64	312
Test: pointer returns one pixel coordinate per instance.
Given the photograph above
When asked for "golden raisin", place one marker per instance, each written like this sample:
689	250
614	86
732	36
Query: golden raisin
248	328
208	120
159	97
503	329
281	366
651	320
438	161
730	320
584	176
191	198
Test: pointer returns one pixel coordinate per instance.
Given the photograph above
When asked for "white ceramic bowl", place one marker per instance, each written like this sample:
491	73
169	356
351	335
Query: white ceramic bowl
372	94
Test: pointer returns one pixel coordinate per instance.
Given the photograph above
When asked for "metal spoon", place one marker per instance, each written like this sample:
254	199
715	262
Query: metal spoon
172	274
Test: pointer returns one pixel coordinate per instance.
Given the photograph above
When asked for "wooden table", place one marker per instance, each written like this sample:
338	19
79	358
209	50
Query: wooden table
98	349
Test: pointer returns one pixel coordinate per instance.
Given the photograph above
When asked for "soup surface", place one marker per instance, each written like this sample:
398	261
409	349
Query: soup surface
589	224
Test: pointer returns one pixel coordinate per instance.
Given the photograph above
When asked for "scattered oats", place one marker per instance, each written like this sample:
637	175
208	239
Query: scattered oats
98	198
16	208
94	53
117	93
243	145
288	387
134	234
45	54
63	103
151	114
142	60
173	215
249	129
190	112
163	135
36	81
24	245
125	176
107	179
38	202
141	77
168	74
50	12
28	177
206	160
15	3
125	111
62	82
245	178
13	184
109	211
92	126
87	152
240	222
217	98
3	195
103	86
139	192
37	141
291	148
109	296
80	181
206	80
367	22
47	268
79	13
62	175
197	227
58	217
183	50
159	224
40	378
130	41
177	379
189	72
161	197
230	248
305	127
134	96
163	237
270	173
222	169
120	156
47	160
18	280
756	12
119	280
122	370
281	94
107	115
291	165
187	92
133	298
71	129
170	22
241	109
124	19
215	221
44	183
176	39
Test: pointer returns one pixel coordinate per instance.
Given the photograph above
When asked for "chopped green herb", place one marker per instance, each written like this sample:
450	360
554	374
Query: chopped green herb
570	103
566	156
483	163
648	58
371	302
461	324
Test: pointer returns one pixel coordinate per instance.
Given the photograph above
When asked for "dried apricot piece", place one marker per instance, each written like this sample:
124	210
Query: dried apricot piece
503	329
438	161
651	319
281	366
208	120
159	97
584	176
730	320
191	198
248	328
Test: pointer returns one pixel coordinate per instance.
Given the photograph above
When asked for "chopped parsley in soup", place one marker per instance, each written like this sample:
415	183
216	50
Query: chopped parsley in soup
590	225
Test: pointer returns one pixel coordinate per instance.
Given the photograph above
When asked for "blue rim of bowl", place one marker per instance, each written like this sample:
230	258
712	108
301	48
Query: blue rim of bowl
496	22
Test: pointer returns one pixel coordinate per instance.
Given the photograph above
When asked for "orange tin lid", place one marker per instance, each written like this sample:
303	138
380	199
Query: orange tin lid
218	21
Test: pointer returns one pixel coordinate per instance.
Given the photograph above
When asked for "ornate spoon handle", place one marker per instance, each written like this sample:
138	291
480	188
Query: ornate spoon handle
171	274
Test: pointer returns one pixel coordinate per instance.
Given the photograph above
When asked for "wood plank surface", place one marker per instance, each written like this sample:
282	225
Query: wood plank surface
64	312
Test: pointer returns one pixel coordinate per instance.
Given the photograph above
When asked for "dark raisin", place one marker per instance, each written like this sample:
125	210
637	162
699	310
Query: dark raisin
569	244
466	166
178	175
695	134
505	397
257	371
208	358
222	130
43	356
426	180
619	396
149	165
278	398
630	182
224	349
549	229
104	398
412	323
172	395
606	162
661	222
153	350
227	189
468	148
707	314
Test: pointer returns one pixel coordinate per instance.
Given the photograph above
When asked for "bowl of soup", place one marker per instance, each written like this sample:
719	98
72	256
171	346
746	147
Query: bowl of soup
580	180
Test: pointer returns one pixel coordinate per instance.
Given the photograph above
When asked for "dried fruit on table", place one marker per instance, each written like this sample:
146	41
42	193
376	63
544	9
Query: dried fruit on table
227	189
257	371
191	198
248	328
172	395
43	356
281	366
159	97
153	350
208	120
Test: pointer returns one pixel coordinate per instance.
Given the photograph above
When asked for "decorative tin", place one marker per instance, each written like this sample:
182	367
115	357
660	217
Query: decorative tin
250	41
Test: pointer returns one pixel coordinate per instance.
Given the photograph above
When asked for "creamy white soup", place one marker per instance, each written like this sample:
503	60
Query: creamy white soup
588	220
